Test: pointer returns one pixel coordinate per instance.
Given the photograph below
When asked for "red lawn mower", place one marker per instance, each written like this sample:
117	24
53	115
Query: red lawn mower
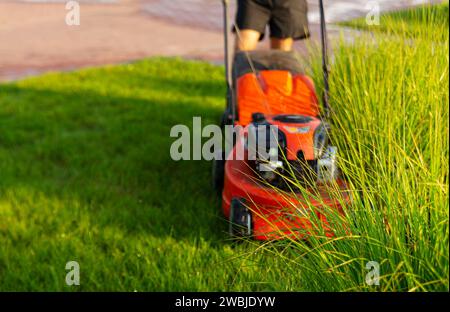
272	191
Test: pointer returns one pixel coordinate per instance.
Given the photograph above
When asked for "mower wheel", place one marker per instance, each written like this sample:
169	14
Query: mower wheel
226	119
218	172
240	219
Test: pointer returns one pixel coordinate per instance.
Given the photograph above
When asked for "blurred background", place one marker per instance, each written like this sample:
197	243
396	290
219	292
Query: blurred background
34	37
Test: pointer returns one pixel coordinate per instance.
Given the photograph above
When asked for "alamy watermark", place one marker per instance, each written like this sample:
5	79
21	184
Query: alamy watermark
373	276
373	16
73	274
212	142
73	14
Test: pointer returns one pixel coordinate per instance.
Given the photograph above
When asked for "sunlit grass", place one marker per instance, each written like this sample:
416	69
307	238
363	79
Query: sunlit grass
414	22
86	175
390	123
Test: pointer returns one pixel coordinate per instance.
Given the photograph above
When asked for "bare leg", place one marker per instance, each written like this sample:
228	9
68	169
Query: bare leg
281	44
246	40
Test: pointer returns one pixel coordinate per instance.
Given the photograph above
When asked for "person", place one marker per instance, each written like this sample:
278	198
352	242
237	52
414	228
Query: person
287	21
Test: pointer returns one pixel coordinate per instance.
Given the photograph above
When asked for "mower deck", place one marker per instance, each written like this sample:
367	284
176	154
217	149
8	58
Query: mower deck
276	214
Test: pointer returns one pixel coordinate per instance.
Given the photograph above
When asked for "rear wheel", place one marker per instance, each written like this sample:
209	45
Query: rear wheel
240	219
226	119
218	172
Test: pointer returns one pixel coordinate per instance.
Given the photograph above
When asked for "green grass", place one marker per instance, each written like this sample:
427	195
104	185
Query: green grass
390	123
86	175
420	21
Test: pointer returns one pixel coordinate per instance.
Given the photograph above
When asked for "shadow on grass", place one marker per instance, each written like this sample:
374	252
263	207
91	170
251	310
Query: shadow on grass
111	154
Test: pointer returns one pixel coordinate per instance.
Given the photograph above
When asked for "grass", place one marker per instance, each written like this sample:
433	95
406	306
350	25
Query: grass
86	175
410	22
390	122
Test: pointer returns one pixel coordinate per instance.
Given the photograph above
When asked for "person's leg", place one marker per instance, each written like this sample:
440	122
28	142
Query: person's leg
247	40
281	44
252	17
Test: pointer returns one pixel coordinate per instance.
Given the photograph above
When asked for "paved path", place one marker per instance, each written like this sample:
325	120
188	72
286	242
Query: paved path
34	37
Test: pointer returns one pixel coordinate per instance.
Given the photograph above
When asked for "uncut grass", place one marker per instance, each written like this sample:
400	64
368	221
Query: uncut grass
415	22
390	123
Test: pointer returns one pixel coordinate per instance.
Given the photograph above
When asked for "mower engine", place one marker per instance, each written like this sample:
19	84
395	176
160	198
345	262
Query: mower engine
285	148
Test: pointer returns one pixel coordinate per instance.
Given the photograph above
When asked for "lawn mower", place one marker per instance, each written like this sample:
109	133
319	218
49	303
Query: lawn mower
274	193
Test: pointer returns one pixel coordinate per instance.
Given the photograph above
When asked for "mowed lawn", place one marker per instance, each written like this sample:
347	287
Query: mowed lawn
86	175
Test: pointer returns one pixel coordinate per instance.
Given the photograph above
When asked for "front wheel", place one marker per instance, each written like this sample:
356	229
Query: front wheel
240	219
218	172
